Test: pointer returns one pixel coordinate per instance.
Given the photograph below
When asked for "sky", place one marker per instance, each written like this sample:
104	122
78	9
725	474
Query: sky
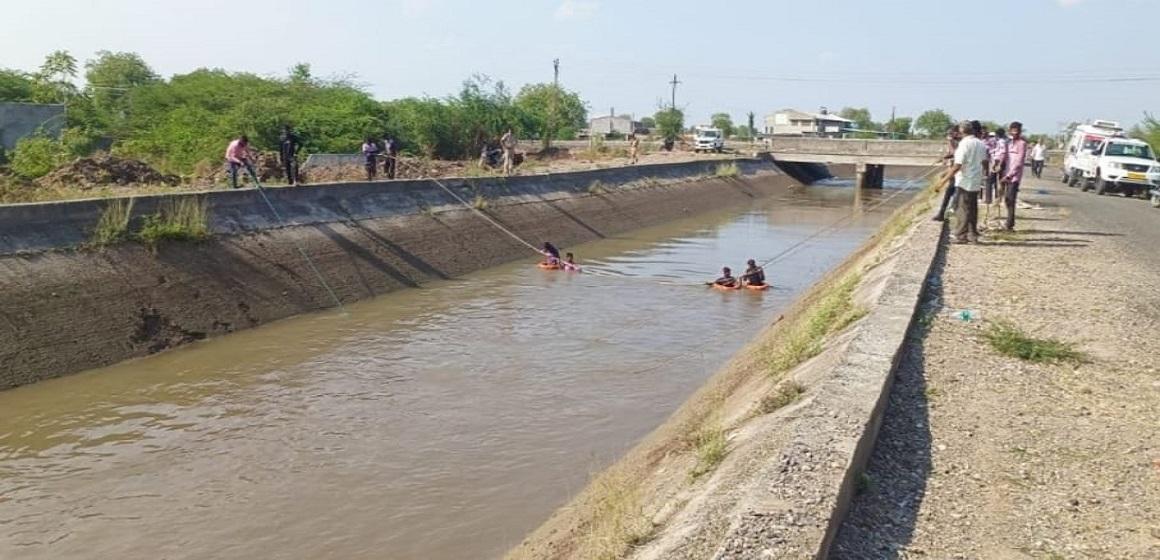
1044	62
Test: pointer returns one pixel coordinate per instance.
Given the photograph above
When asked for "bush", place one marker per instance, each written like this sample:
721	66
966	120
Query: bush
186	219
113	226
36	156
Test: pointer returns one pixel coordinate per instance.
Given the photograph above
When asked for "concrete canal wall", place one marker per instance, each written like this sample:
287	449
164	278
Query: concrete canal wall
66	306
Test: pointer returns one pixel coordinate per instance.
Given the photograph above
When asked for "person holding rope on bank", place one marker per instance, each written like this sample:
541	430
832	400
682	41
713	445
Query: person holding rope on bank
237	156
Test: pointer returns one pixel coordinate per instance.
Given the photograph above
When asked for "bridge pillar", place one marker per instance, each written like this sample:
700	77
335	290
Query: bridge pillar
860	175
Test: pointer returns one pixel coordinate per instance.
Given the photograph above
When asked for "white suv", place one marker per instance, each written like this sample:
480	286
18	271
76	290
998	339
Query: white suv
706	139
1124	165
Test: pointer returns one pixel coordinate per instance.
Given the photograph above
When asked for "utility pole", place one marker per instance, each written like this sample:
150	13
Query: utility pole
892	131
556	72
674	84
611	120
551	132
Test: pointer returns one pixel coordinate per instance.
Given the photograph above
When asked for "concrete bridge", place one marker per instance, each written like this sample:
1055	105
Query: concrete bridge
869	157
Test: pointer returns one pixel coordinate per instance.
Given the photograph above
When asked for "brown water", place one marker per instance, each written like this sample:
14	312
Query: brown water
437	423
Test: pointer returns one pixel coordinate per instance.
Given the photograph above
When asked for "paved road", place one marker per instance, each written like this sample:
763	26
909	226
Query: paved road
1134	218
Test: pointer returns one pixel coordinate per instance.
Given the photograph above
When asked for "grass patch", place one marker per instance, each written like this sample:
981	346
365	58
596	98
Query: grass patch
711	450
597	187
727	170
833	313
1002	235
1009	340
480	202
618	522
864	484
186	219
783	395
113	225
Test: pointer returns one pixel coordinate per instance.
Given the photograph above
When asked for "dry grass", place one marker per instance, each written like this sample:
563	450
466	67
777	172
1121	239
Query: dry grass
783	395
185	219
618	521
834	312
711	448
113	226
727	170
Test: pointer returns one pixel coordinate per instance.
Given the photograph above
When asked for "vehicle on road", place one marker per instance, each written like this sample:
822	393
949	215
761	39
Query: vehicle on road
1099	156
708	139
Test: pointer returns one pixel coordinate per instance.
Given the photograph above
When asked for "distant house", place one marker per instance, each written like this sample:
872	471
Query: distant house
623	125
18	120
791	122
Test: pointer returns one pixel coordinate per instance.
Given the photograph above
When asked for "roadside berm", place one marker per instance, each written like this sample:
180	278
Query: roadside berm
763	461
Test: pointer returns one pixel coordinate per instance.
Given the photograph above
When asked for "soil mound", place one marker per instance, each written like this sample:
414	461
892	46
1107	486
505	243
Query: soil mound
104	170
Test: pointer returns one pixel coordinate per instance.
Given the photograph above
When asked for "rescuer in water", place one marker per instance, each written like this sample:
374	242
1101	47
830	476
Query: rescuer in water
551	253
754	275
726	280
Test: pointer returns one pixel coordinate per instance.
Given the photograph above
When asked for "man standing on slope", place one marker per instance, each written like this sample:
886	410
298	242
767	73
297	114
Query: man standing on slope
1016	156
952	144
969	170
288	147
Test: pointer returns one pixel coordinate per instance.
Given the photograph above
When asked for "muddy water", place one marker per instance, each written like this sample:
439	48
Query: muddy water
441	422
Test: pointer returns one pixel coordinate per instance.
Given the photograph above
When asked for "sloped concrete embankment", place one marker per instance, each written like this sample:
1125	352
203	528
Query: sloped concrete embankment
65	307
762	462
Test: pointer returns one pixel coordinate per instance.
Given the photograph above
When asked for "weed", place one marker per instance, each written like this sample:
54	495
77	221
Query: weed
1009	340
618	521
711	450
932	393
480	202
783	395
1002	235
113	226
597	187
833	313
864	484
727	170
186	219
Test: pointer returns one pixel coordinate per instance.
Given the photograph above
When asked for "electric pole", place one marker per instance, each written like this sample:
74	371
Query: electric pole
556	72
892	132
551	132
674	84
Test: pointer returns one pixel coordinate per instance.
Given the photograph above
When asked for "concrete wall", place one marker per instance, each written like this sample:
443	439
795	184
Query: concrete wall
833	146
18	120
64	310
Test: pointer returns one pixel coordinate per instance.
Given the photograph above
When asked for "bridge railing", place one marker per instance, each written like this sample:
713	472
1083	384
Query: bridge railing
857	147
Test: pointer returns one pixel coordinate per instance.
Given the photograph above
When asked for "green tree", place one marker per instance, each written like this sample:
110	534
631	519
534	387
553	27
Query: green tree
933	124
300	74
35	156
670	123
860	116
752	125
1148	131
53	81
551	112
648	122
724	122
899	128
15	85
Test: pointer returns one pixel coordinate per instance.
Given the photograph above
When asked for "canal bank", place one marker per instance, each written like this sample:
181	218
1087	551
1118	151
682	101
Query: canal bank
68	306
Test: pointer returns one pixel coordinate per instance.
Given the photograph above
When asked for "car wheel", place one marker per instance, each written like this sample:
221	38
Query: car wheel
1101	185
1066	179
1156	200
1084	184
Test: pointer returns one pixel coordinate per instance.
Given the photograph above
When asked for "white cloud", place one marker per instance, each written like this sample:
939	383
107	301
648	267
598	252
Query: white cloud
576	9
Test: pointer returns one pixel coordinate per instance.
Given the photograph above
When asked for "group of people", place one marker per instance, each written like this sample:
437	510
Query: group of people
754	277
992	166
388	151
239	156
505	156
553	261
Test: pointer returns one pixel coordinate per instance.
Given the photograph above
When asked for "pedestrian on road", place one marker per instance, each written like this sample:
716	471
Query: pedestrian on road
1038	158
948	157
238	155
390	162
633	148
1016	156
370	151
970	170
997	162
288	147
508	143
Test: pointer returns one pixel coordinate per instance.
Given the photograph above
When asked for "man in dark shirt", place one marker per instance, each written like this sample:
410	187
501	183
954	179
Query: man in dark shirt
726	280
754	275
288	148
391	151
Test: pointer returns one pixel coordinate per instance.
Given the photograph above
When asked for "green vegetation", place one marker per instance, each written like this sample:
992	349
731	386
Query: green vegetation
1009	340
186	219
670	124
480	202
181	125
724	122
727	170
618	521
784	394
1148	131
933	124
113	226
832	313
35	156
597	187
711	448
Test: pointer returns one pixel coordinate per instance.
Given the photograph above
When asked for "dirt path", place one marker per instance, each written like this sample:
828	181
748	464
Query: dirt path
986	456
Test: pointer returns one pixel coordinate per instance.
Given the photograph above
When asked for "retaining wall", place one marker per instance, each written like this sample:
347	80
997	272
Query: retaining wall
18	120
65	309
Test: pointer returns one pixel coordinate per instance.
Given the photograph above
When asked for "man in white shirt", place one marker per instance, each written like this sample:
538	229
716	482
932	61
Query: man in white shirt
1038	158
969	171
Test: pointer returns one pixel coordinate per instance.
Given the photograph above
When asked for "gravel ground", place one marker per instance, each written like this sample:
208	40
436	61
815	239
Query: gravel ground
984	456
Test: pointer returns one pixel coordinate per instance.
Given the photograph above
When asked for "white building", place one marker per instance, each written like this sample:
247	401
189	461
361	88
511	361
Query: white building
791	122
623	124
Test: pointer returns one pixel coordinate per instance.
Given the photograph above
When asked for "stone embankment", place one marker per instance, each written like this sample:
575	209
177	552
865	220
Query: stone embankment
68	305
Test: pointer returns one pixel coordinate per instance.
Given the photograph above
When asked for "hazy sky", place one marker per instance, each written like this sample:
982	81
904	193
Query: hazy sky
1040	61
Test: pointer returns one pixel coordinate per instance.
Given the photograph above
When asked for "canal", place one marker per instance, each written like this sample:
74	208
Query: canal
441	422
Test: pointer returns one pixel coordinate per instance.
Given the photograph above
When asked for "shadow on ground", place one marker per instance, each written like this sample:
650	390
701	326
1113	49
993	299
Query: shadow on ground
882	519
